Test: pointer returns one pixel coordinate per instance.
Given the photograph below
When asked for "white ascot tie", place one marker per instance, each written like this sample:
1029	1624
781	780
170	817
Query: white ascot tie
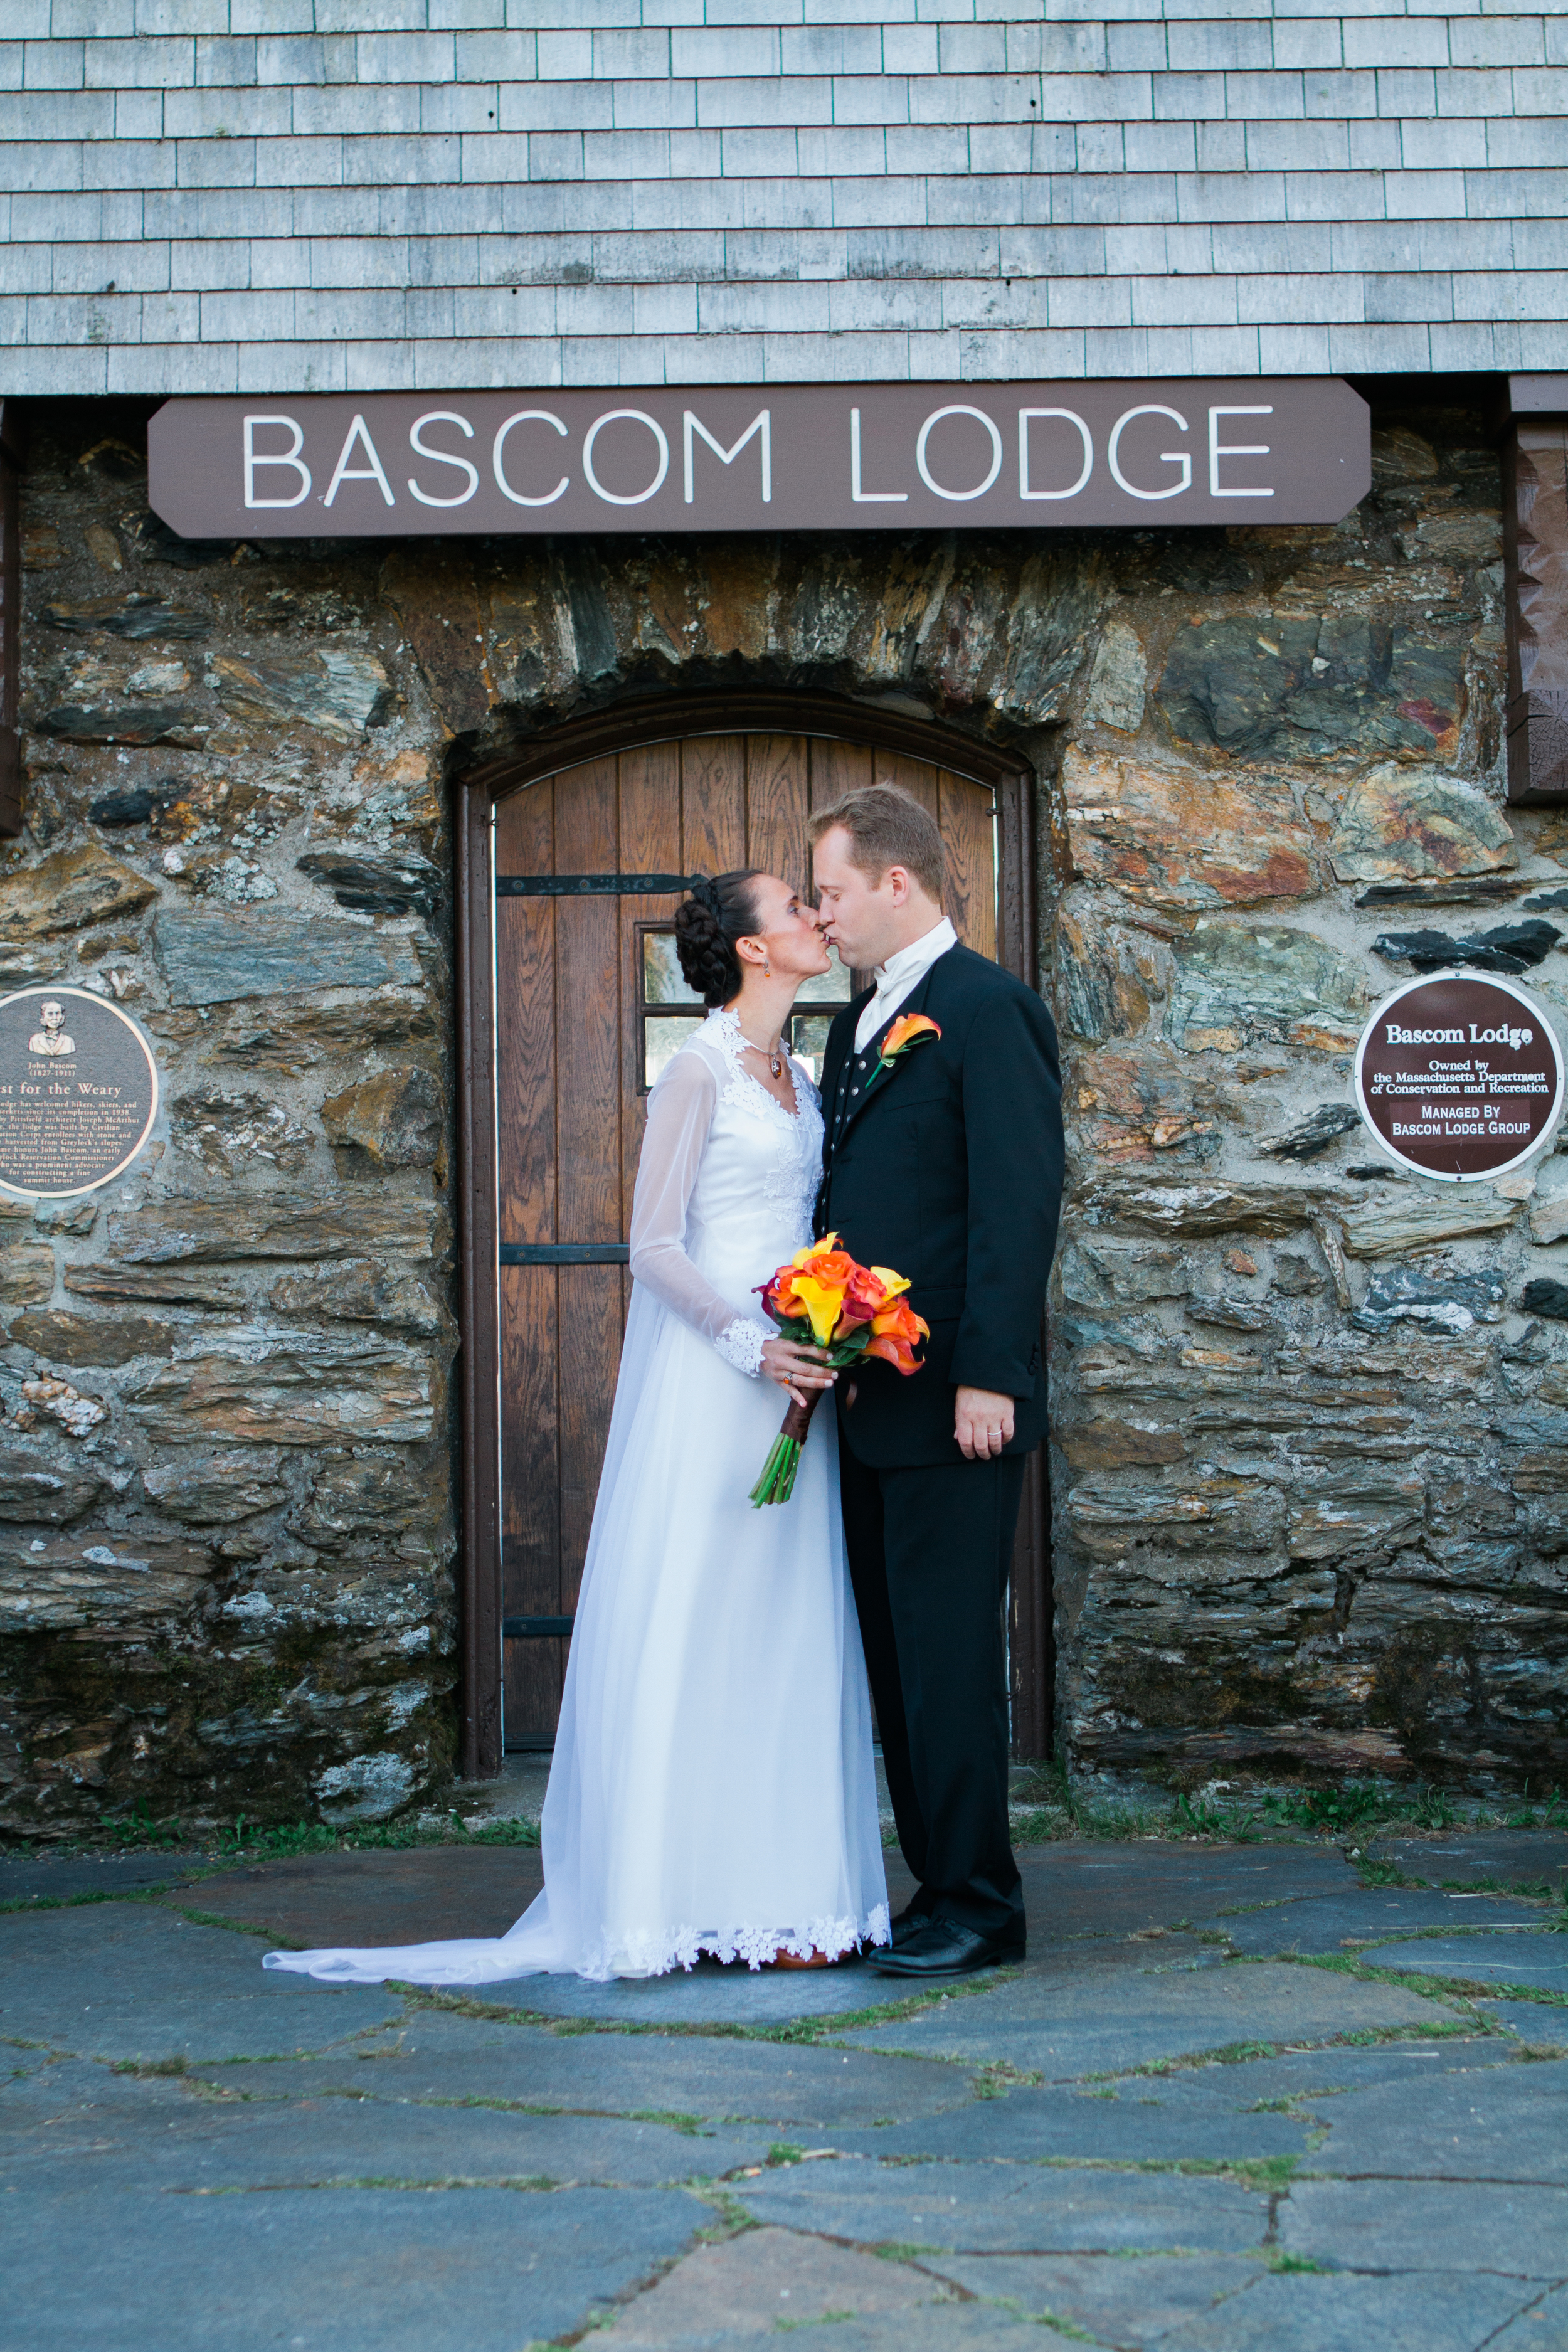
900	977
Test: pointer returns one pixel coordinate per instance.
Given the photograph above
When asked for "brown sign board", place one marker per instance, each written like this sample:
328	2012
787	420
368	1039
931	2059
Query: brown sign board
1459	1078
874	456
79	1091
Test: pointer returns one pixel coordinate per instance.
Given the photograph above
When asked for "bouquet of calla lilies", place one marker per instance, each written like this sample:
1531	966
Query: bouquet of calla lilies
851	1311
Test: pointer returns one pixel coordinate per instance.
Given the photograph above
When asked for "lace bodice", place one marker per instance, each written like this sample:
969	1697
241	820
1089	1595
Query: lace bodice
725	1188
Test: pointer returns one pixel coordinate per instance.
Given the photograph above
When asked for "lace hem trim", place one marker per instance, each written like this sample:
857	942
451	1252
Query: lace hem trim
654	1954
741	1342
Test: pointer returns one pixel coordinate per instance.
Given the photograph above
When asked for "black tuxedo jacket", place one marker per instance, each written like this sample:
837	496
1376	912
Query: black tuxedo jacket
948	1168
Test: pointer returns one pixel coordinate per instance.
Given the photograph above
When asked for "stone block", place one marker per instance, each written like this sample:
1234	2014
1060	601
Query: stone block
393	1120
373	1494
217	1489
1405	825
1549	1222
1454	1302
1108	1519
280	1224
27	1273
120	1584
186	724
336	691
1237	984
1193	1210
64	1338
290	1038
71	891
132	617
1374	1510
215	959
1118	680
1310	1137
270	1387
1184	838
174	1286
1099	1445
366	1291
1109	975
1307	688
40	1490
1395	1228
377	885
231	1130
1100	1274
1508	946
1127	1103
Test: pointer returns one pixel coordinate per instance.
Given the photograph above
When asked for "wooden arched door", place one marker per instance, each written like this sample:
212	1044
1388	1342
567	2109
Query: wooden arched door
586	864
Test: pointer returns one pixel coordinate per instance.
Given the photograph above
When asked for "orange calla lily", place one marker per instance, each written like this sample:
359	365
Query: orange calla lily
894	1333
909	1029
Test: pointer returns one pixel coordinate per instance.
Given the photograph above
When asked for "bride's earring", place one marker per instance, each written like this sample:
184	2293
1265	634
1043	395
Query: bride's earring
767	969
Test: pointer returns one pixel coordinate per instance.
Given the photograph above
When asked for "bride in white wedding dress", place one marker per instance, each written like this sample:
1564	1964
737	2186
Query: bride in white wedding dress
712	1788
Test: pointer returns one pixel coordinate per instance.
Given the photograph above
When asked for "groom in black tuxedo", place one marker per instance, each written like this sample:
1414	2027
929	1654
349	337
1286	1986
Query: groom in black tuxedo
946	1163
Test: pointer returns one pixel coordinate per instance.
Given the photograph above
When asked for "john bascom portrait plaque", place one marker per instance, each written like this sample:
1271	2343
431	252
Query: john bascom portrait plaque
1458	1076
79	1091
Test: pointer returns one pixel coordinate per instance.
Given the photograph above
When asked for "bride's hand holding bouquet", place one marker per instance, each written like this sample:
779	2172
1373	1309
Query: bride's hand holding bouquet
831	1311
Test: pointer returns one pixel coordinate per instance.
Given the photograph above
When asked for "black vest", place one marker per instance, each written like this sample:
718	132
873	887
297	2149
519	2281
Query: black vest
852	1081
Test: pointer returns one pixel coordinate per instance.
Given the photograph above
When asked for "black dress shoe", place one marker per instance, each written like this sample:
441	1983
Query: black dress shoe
910	1922
944	1949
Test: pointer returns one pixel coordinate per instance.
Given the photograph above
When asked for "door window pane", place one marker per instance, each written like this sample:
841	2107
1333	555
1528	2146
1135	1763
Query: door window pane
829	987
662	982
808	1040
662	1038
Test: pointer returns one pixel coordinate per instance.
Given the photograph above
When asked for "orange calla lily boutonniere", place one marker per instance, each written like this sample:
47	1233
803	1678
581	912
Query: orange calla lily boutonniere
911	1029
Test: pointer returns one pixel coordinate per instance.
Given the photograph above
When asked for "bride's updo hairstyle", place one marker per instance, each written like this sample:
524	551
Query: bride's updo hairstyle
707	925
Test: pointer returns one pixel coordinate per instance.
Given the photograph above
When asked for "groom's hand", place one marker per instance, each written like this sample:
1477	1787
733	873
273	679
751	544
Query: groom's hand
981	1423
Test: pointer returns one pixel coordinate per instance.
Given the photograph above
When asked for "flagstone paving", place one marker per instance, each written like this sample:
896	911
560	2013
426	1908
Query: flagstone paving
1235	2100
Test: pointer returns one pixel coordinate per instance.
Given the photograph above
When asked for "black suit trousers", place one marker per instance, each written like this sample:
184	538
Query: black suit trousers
930	1549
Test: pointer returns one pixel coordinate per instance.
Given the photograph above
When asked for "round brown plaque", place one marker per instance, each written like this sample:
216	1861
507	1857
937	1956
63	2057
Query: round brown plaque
79	1091
1460	1077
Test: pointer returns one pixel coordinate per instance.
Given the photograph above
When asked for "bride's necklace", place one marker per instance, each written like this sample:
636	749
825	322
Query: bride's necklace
771	1055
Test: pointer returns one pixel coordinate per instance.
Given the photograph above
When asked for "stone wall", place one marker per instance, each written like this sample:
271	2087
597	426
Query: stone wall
1313	1481
225	1528
1308	1484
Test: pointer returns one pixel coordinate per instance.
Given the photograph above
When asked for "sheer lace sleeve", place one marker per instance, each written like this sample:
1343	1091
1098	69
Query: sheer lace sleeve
680	1113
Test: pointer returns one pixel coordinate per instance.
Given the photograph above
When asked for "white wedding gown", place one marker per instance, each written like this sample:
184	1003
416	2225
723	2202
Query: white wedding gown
712	1788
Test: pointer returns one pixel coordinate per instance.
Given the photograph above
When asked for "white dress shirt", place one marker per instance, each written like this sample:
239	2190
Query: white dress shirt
900	977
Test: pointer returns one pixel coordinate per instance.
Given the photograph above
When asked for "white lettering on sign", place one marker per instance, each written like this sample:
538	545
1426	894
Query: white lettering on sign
866	497
521	498
1398	1037
289	456
1167	457
358	434
1069	416
762	423
1219	449
923	469
441	458
635	417
729	458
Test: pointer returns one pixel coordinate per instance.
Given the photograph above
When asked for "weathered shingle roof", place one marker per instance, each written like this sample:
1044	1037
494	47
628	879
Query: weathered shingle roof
285	195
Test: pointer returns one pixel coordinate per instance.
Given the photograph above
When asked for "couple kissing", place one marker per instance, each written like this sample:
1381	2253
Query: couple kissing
712	1791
